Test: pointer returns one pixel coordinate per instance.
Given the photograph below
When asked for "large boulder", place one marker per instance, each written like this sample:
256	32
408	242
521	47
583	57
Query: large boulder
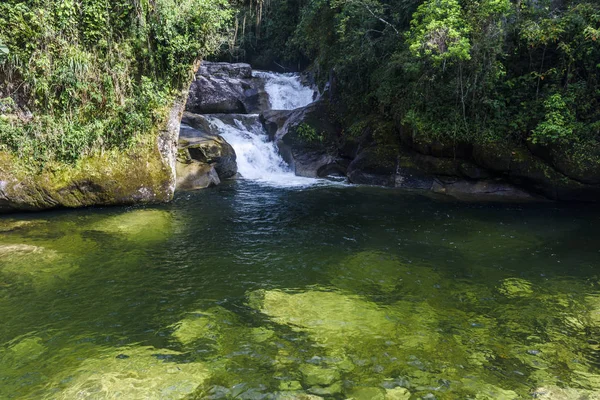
192	175
203	146
307	139
483	190
373	166
221	88
520	167
144	174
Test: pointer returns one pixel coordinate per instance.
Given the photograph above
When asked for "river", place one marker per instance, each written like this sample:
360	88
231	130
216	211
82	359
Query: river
281	287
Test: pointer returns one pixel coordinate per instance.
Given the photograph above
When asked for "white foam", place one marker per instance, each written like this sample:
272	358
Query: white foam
257	158
286	91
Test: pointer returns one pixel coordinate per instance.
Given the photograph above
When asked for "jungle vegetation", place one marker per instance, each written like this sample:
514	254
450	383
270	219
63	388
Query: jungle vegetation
78	76
460	70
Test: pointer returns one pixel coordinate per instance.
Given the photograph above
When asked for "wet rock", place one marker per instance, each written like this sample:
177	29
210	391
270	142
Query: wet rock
307	139
373	166
223	88
482	191
194	175
201	145
274	120
225	70
522	168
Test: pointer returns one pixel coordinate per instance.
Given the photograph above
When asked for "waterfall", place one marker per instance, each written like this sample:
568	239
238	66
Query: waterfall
258	158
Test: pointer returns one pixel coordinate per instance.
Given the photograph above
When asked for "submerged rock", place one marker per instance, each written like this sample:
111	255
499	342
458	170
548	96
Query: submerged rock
369	393
22	351
398	393
515	288
203	325
131	373
557	393
34	265
368	270
10	225
333	319
138	225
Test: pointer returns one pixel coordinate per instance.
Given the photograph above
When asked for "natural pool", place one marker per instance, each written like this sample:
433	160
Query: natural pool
254	292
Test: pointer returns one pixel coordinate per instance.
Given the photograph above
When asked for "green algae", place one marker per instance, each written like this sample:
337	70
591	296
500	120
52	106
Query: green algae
131	373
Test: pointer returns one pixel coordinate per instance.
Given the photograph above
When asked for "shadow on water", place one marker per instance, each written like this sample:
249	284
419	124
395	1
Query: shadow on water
251	291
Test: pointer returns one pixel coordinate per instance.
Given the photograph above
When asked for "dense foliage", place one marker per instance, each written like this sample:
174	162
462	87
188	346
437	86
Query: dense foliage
474	70
78	76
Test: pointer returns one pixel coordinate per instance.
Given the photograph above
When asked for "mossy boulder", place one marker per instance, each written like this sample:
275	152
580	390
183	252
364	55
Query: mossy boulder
519	166
308	138
144	173
375	165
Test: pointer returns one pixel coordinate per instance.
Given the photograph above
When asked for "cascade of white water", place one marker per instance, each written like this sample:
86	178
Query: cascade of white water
286	91
258	159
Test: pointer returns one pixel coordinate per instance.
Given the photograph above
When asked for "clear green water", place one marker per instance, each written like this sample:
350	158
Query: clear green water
252	292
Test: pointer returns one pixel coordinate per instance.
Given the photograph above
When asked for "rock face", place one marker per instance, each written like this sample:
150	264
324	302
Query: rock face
307	139
143	174
204	159
222	88
204	146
